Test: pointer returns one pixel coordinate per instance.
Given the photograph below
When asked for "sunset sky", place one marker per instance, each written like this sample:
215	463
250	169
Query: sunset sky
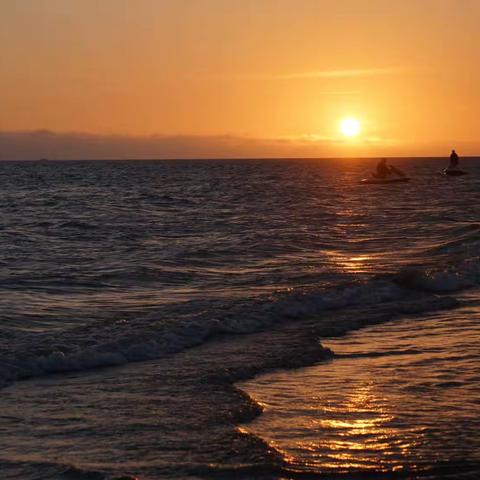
186	78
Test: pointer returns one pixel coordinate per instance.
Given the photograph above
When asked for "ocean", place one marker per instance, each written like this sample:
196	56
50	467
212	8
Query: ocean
267	319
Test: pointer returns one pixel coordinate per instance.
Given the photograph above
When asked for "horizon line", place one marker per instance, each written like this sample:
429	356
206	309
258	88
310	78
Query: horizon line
152	159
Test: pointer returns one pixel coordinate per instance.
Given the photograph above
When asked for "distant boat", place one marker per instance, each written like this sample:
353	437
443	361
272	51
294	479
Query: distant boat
454	172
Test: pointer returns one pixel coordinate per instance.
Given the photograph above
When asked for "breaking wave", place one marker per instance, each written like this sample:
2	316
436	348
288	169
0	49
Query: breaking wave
157	335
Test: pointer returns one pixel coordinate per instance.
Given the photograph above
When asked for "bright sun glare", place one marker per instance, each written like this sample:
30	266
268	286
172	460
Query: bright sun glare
350	127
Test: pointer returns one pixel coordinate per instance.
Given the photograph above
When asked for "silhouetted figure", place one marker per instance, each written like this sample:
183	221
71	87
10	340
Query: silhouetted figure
383	170
453	160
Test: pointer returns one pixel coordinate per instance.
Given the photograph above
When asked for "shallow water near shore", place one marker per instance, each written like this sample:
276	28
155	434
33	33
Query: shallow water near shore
135	294
401	397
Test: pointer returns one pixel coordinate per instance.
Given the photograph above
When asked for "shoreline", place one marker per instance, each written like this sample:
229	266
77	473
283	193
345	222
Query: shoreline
372	397
209	373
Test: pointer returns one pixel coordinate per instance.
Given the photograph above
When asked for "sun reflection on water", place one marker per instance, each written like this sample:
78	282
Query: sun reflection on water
412	405
358	434
355	433
353	263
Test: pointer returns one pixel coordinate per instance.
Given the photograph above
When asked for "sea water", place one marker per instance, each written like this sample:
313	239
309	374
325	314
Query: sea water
402	398
183	277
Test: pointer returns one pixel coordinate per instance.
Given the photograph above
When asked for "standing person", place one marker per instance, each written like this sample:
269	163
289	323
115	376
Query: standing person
453	160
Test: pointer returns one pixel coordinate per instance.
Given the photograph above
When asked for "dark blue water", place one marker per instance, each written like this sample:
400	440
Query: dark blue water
114	263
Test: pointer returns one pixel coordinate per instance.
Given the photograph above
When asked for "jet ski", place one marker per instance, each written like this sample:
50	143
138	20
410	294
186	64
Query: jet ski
375	179
453	172
382	181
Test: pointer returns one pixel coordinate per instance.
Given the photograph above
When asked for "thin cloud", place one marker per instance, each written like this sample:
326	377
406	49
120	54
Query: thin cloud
356	72
348	73
31	145
340	92
28	145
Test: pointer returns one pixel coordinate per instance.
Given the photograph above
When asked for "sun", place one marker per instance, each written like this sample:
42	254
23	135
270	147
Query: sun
350	127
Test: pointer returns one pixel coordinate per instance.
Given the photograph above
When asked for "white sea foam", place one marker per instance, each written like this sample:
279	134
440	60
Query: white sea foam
153	337
464	275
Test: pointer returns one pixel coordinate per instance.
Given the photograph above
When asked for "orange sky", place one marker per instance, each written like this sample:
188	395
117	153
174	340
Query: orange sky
275	72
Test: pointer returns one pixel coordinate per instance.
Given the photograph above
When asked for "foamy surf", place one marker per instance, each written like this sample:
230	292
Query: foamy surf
154	337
